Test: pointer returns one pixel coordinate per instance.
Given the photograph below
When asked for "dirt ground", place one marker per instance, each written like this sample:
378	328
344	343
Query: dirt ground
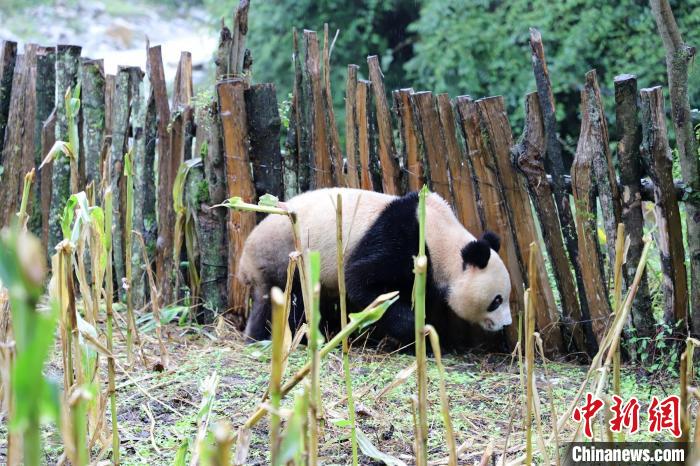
157	410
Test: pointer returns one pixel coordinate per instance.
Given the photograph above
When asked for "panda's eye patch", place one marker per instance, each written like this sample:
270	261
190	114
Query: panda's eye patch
497	301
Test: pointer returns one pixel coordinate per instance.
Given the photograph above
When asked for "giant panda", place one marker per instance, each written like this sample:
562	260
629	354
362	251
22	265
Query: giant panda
466	276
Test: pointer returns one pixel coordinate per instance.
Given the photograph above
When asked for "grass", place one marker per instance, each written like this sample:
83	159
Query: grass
484	392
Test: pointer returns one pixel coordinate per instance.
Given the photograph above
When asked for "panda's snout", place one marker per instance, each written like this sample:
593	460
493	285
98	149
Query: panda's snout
497	320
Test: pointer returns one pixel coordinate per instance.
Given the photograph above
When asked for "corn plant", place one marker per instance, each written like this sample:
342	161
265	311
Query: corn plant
22	271
343	323
109	293
420	269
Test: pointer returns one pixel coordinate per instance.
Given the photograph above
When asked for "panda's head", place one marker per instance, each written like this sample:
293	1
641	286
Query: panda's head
480	293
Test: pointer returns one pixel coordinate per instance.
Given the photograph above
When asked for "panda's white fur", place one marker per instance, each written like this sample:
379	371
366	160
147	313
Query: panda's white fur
469	289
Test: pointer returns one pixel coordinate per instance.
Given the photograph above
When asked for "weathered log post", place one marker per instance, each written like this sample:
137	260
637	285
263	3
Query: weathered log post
299	121
364	134
680	56
583	184
14	151
386	148
92	103
410	142
210	224
239	182
629	129
555	161
182	86
126	93
495	214
529	154
461	174
605	178
181	135
67	64
143	129
495	125
433	143
264	127
334	137
8	58
164	243
657	153
351	139
45	88
48	138
320	158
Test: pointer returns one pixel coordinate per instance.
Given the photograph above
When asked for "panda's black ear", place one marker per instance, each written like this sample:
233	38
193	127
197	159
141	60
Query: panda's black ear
492	239
476	253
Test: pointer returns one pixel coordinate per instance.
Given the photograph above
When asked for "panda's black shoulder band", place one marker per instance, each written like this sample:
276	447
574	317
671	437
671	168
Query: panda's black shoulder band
492	239
476	253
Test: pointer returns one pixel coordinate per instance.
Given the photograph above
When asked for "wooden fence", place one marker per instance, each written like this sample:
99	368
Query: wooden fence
189	155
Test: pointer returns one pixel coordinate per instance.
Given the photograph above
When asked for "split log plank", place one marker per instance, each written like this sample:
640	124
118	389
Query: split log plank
583	185
529	153
264	126
496	216
67	64
321	158
239	182
351	138
210	224
386	148
494	123
364	142
334	137
410	142
8	59
462	179
45	88
605	178
655	149
629	129
156	76
433	143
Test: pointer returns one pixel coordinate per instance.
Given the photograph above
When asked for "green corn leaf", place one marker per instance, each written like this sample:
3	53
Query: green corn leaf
370	316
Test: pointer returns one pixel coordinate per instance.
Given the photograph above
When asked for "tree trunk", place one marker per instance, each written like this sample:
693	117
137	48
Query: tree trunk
495	125
387	151
239	182
410	142
67	63
626	111
656	151
679	57
529	154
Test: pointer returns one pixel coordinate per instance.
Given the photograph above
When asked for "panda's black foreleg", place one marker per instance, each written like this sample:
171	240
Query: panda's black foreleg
257	327
397	324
